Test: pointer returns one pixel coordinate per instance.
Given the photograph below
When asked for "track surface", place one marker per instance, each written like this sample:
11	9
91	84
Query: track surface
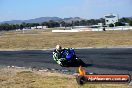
113	60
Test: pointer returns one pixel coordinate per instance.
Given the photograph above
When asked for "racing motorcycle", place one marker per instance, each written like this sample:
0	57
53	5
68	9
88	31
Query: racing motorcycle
69	59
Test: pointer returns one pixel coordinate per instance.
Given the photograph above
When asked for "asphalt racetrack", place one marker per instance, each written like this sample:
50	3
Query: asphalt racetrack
104	60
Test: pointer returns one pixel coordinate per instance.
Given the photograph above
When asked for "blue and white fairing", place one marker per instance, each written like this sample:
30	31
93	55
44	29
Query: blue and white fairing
68	54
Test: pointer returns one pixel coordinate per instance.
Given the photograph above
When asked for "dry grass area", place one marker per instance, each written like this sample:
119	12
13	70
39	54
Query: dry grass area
17	78
41	39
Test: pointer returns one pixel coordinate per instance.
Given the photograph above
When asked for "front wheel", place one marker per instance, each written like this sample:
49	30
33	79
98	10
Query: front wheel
63	64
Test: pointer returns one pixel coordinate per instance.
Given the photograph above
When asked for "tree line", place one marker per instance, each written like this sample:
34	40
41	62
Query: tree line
52	24
122	22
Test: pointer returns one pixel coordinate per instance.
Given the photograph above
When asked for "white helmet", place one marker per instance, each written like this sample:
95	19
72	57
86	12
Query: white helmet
58	47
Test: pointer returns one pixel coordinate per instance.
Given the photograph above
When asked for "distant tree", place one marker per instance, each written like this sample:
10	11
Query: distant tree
123	20
52	24
1	27
32	25
69	25
130	23
63	23
93	21
17	26
83	23
57	24
13	27
119	24
21	27
29	25
77	23
102	20
111	25
8	27
35	25
44	24
88	22
24	24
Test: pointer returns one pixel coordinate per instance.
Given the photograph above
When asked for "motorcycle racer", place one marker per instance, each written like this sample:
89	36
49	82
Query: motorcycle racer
65	57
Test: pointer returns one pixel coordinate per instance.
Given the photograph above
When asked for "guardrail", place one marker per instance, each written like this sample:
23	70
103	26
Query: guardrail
65	30
95	29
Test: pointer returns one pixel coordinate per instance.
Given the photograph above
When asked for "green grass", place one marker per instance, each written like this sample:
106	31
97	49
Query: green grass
43	39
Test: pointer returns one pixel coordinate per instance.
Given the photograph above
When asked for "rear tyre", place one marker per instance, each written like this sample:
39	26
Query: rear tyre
81	63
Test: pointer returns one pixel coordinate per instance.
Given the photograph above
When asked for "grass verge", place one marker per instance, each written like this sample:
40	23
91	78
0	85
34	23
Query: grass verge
41	39
17	78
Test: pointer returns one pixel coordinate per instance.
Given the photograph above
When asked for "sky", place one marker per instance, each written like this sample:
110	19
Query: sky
89	9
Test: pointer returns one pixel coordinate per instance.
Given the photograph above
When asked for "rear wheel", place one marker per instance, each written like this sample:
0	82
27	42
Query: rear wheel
80	62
